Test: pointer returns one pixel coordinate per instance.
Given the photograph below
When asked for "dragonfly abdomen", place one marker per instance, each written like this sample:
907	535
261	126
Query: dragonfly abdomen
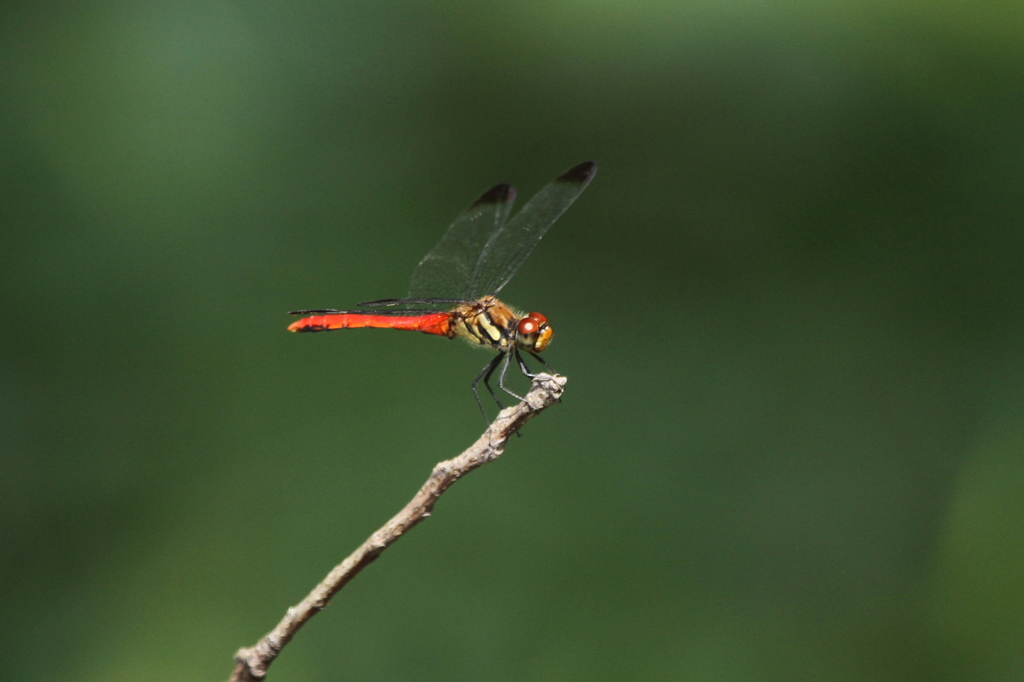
434	323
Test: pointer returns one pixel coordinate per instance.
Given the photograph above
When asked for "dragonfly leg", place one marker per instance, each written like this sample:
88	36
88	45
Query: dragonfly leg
522	365
541	360
501	379
485	376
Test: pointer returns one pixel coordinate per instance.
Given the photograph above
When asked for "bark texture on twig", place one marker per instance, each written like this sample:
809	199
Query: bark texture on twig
251	663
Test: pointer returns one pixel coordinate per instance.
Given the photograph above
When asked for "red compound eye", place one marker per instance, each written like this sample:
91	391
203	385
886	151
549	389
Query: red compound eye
528	326
540	317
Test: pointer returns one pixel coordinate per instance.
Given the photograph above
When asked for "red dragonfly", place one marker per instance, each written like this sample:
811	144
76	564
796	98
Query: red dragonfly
454	288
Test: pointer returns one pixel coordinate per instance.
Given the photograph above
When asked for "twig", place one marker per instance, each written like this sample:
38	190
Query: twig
251	663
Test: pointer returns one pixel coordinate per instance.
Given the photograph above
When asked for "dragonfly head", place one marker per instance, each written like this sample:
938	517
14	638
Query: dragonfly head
533	333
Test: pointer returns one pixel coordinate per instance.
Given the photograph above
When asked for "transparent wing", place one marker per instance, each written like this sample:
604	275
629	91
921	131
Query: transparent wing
448	269
507	248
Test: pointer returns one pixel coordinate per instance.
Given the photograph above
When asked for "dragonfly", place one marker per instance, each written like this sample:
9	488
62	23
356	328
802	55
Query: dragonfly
454	289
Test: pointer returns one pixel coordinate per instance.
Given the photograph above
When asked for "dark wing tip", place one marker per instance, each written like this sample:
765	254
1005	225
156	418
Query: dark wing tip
499	194
580	174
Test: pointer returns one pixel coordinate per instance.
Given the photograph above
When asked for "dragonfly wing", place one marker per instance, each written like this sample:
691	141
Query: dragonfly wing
447	270
507	248
403	304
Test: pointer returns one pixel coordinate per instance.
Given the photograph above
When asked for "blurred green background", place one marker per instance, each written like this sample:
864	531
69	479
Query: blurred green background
789	307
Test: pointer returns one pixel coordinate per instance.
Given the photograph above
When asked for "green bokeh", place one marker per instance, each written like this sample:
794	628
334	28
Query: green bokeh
789	308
